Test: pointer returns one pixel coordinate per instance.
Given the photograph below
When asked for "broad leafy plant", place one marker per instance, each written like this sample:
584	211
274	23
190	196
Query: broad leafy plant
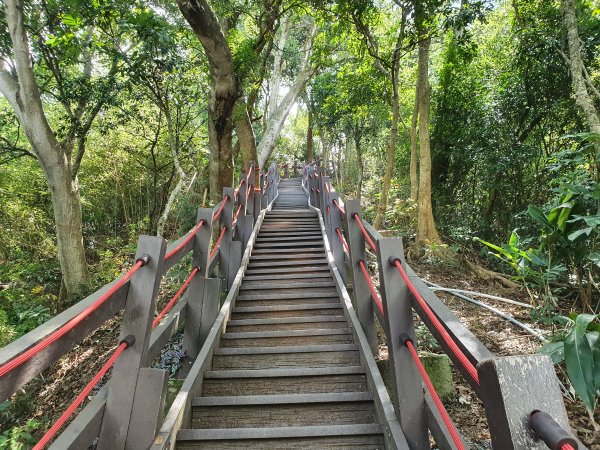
578	345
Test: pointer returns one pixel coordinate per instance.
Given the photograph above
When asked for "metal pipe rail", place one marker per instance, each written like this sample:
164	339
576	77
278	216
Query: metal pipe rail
118	416
509	387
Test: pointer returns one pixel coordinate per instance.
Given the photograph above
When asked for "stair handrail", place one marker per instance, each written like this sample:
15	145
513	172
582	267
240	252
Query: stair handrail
509	387
112	415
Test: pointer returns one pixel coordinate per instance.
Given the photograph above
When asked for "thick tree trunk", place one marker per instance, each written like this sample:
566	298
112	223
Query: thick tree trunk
426	230
24	97
414	153
245	135
309	138
224	91
389	160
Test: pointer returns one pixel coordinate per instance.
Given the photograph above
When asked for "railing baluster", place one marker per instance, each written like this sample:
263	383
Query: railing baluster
408	395
137	322
361	292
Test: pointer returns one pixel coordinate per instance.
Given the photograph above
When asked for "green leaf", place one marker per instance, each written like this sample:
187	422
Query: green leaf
556	351
593	338
583	320
561	223
538	215
580	366
578	233
595	258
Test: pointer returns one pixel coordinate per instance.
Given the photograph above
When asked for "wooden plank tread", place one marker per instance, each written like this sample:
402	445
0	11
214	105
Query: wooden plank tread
282	399
290	333
278	373
285	349
276	432
304	306
310	319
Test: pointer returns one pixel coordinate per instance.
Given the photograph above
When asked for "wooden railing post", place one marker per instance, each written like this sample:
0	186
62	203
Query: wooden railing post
408	398
225	247
317	178
295	169
511	388
137	322
337	248
362	294
200	256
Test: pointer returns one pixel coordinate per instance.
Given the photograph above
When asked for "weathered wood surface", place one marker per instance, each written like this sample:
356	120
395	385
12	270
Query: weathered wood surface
287	372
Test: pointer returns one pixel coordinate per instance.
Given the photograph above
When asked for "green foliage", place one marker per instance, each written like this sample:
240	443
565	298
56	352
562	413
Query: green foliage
578	345
19	438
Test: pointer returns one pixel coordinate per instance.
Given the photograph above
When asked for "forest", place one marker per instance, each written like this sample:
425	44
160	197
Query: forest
471	128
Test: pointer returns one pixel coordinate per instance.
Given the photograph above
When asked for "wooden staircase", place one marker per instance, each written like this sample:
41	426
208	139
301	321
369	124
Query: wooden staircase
287	372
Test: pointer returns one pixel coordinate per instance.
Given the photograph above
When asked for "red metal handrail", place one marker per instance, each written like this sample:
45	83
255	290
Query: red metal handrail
466	363
341	236
364	232
374	292
223	203
218	243
436	399
81	397
342	210
172	302
49	340
191	235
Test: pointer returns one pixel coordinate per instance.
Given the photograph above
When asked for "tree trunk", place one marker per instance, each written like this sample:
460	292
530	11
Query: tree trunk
279	114
245	135
414	153
426	230
389	161
223	94
309	138
581	95
171	131
23	94
359	160
269	140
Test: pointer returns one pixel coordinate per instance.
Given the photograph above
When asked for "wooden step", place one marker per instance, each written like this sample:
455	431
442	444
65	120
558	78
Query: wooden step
363	436
290	250
287	302
269	285
270	271
284	381
287	278
285	296
285	356
280	311
317	262
284	338
284	410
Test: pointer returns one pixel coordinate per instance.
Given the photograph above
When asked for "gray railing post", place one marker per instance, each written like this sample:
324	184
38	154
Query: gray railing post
295	169
239	226
408	395
196	290
337	247
264	186
326	204
318	189
361	291
200	256
512	388
311	184
225	247
250	195
137	322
